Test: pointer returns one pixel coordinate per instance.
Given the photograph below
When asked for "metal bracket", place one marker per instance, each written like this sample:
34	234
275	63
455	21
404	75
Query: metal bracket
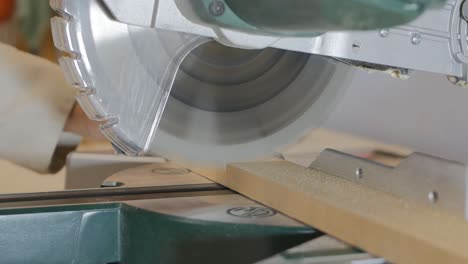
420	178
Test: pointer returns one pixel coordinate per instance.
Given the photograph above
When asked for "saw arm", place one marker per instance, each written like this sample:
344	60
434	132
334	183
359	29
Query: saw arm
427	35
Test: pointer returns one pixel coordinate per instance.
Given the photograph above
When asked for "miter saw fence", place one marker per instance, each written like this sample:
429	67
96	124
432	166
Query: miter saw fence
133	60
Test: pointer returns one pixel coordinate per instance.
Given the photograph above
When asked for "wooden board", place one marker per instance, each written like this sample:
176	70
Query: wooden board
374	221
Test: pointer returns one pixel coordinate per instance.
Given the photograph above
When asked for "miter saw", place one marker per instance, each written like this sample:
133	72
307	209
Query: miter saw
231	80
218	81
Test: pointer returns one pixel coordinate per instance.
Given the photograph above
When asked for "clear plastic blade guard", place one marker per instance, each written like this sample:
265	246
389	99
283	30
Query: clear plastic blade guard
129	99
134	114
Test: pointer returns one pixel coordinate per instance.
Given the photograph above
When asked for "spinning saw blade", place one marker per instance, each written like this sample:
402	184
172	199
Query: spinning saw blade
188	97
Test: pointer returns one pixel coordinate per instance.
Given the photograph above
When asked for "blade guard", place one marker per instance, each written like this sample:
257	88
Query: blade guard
129	112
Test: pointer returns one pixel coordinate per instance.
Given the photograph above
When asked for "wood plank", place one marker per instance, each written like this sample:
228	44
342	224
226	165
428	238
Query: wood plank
375	221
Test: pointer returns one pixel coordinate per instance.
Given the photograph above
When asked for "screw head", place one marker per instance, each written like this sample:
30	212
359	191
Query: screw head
433	196
356	46
217	8
359	173
384	32
416	38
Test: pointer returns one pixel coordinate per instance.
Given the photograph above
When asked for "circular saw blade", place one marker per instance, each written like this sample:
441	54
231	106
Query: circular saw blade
226	104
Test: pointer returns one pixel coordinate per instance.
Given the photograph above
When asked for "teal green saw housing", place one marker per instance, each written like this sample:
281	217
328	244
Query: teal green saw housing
118	233
309	17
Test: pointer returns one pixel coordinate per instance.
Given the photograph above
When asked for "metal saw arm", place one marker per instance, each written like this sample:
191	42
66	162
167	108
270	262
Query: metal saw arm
395	36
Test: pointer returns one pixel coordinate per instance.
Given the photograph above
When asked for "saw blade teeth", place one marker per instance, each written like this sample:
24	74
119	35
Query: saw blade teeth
63	32
57	5
66	39
66	35
65	8
75	73
120	141
92	105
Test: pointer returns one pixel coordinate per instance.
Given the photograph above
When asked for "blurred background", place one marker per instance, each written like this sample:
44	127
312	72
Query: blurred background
25	24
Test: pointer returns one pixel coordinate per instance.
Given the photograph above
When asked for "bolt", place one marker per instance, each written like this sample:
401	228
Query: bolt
359	173
217	8
464	10
384	32
416	38
433	197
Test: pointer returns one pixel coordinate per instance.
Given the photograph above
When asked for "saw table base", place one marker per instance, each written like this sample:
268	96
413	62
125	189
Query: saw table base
161	214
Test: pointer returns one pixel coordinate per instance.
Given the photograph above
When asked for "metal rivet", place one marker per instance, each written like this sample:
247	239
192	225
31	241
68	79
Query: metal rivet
217	8
416	38
359	173
384	32
433	196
